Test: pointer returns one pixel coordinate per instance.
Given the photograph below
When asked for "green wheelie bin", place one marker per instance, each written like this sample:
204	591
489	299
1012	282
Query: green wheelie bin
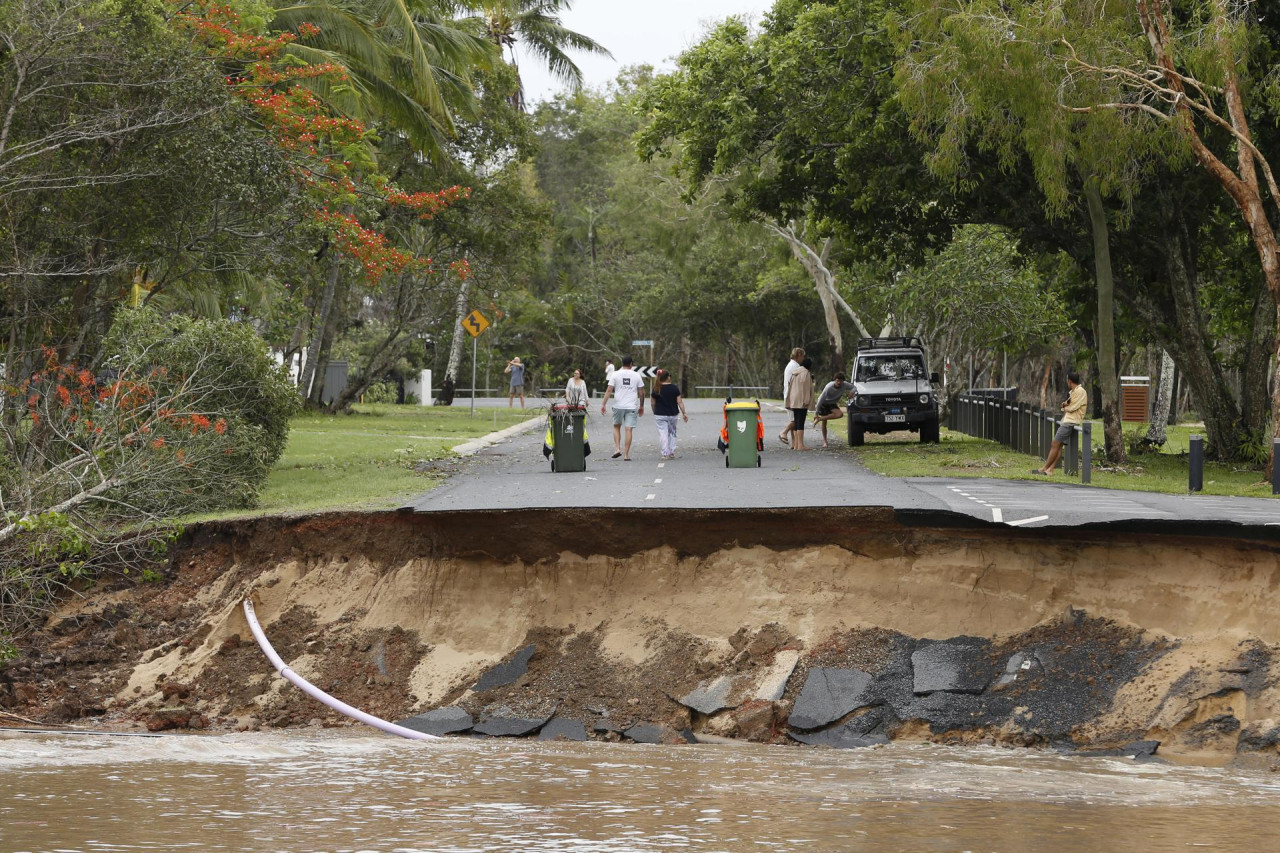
742	434
568	438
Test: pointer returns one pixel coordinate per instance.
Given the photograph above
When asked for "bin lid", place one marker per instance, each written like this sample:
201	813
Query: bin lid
755	407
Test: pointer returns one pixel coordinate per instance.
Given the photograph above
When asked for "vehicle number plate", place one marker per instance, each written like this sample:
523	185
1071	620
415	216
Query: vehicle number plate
895	419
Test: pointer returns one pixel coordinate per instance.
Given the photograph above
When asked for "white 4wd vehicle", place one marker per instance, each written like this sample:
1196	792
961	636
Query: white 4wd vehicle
892	390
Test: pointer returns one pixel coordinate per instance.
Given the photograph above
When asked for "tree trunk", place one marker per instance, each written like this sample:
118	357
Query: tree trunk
318	327
455	349
1164	397
1107	378
316	398
824	282
1255	394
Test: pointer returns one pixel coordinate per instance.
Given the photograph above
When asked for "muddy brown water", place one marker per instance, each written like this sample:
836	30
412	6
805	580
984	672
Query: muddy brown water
344	791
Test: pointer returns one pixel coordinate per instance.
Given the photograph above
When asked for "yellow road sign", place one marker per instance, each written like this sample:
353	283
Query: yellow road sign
475	323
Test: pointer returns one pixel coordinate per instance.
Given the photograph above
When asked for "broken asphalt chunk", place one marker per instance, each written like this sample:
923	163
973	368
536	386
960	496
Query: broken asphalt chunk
441	721
828	694
506	673
950	667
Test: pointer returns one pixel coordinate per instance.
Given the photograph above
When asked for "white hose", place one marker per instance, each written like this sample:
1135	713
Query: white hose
318	694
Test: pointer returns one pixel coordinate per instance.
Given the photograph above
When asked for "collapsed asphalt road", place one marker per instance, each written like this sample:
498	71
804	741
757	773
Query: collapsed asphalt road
513	474
840	628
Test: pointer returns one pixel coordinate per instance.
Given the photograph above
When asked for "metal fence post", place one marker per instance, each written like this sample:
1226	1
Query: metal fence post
1275	469
1196	474
1086	453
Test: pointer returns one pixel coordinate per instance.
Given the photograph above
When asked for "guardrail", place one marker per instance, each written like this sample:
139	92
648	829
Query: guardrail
1024	428
731	388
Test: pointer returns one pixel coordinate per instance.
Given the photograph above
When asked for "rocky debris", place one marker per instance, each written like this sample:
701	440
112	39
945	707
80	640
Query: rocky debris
504	722
649	733
839	737
562	728
1137	749
828	694
711	695
176	718
440	722
1020	665
604	725
773	681
958	665
508	672
758	720
1259	736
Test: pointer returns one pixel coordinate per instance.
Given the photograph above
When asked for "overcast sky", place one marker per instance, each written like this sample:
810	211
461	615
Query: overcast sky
649	31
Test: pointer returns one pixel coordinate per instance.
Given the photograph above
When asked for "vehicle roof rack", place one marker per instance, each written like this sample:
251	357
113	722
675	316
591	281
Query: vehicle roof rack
890	343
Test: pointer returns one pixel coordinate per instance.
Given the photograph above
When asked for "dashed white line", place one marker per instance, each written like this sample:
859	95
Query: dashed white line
1031	520
657	481
662	465
649	497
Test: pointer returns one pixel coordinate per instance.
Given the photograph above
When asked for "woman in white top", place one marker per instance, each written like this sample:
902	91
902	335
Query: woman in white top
575	392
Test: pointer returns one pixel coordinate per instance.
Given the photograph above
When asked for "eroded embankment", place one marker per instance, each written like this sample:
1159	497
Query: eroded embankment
835	625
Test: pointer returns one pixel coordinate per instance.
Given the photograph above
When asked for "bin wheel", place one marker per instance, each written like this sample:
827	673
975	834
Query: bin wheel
726	460
553	466
758	461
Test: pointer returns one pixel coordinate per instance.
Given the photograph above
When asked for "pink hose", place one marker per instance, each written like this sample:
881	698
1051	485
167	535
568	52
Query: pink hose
318	694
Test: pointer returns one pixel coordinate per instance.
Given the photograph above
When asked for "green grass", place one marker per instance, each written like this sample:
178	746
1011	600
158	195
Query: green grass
959	455
365	459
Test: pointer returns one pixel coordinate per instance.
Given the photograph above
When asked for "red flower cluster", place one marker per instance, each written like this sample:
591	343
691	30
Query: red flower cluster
302	124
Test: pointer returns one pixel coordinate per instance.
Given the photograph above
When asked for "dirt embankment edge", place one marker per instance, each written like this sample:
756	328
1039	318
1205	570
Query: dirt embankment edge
1114	636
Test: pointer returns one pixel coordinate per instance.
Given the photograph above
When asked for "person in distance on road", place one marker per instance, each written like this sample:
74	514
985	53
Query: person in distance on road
668	405
1073	410
828	405
626	386
575	390
516	369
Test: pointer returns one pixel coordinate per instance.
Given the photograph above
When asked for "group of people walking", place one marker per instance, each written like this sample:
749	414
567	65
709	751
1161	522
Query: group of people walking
625	387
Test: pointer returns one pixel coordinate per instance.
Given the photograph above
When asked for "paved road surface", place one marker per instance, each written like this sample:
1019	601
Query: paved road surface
513	474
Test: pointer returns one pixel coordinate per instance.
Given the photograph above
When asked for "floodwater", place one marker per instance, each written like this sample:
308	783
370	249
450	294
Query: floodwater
334	791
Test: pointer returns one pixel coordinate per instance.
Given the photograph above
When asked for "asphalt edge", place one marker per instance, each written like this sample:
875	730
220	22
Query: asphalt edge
475	445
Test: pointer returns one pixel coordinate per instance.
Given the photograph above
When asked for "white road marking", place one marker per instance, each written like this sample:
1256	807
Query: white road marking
649	497
662	465
1031	520
657	481
996	515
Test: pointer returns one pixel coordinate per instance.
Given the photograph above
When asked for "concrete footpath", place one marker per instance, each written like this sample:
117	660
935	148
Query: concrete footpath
508	471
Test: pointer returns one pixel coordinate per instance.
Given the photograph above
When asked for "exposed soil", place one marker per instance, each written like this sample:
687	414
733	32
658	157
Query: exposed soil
1124	636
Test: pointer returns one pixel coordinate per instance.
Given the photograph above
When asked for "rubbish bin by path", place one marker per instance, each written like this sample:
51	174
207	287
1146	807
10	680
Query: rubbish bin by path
742	434
568	430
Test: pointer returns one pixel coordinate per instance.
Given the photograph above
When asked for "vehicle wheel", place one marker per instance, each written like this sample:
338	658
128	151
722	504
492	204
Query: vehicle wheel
930	433
857	435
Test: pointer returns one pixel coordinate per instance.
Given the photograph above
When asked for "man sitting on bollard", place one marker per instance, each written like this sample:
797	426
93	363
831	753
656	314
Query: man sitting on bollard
1072	416
827	408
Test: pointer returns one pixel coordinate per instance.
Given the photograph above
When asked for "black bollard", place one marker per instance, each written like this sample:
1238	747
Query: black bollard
1275	469
1086	453
1196	476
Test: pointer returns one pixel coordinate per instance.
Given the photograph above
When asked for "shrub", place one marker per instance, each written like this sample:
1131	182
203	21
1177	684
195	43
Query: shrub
382	392
231	376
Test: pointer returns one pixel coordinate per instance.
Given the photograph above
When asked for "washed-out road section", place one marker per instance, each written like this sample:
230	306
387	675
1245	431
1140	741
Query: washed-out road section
512	474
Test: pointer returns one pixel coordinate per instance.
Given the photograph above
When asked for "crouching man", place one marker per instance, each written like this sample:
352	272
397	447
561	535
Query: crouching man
828	406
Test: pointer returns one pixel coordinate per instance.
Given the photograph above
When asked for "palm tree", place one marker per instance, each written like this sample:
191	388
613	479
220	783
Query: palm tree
535	26
410	64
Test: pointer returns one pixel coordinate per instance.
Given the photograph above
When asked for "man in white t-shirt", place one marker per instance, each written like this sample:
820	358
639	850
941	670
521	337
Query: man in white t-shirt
626	387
